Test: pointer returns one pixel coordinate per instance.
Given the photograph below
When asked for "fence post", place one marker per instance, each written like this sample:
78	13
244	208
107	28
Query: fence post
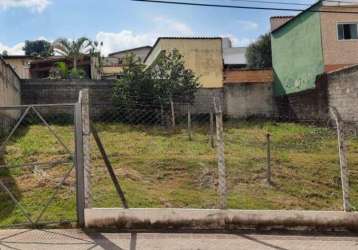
86	134
80	189
268	171
211	132
172	112
220	154
189	122
342	149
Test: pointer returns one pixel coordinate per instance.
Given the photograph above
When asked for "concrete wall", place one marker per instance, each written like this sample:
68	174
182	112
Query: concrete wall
248	99
343	93
297	54
9	94
21	65
65	91
338	51
203	56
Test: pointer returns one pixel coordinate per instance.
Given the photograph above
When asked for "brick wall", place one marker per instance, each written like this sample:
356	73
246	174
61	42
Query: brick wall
247	76
308	105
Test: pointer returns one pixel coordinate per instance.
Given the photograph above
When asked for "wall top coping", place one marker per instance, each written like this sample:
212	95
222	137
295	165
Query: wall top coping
85	82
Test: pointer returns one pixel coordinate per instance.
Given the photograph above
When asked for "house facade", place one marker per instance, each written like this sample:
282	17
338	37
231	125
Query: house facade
317	41
140	52
203	56
21	65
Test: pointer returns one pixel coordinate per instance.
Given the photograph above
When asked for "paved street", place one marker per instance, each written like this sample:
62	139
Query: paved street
76	239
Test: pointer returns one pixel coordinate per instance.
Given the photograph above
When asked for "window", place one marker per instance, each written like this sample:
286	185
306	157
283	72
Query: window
347	31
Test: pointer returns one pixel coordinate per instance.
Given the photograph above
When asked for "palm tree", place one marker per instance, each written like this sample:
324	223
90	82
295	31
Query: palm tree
73	49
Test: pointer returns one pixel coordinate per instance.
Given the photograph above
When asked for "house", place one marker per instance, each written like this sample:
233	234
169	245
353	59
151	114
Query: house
140	52
320	39
203	55
222	73
21	65
41	68
314	56
112	65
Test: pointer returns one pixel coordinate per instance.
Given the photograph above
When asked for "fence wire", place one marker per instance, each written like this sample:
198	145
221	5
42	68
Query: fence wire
165	156
36	166
161	160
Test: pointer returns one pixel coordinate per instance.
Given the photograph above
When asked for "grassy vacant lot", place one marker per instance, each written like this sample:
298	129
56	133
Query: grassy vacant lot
161	168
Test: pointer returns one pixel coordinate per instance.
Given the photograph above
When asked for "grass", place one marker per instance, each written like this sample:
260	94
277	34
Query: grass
158	168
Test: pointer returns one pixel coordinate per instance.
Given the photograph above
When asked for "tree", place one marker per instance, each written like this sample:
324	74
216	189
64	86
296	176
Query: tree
172	79
167	79
142	91
73	50
39	48
258	54
135	85
4	53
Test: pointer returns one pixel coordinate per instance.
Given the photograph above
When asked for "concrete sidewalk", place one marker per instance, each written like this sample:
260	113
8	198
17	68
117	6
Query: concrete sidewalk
77	239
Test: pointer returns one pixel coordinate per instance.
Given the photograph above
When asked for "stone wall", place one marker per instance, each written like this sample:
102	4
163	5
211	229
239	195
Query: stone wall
9	95
248	99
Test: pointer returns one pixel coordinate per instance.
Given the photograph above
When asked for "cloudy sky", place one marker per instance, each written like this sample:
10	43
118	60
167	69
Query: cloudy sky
123	24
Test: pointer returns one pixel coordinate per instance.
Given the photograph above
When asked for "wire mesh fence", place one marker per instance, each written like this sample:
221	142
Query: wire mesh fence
166	156
37	177
160	163
173	155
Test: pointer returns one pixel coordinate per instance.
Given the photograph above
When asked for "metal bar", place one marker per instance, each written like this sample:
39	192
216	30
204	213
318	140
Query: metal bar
14	128
57	188
52	131
24	212
109	167
80	189
39	105
29	165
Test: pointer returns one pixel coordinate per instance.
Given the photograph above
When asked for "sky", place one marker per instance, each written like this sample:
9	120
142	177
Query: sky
124	24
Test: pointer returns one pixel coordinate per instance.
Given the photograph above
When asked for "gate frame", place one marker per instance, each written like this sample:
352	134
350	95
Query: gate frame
73	155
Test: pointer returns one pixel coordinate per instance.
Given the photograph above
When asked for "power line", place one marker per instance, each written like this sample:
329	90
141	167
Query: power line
271	2
242	7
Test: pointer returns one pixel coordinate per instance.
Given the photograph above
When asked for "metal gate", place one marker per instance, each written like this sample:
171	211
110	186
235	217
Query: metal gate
37	162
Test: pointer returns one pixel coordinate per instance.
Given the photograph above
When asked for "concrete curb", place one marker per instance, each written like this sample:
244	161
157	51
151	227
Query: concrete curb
214	219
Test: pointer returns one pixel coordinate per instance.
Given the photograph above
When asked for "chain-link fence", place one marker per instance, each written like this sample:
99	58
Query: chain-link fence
37	177
174	155
169	155
163	155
